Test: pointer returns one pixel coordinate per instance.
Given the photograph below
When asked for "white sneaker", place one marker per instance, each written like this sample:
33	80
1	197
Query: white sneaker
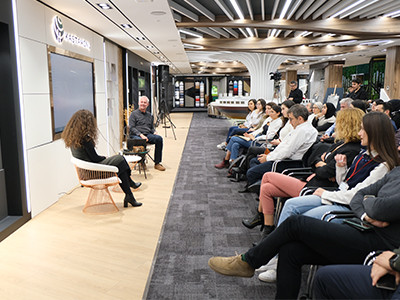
221	146
271	265
268	276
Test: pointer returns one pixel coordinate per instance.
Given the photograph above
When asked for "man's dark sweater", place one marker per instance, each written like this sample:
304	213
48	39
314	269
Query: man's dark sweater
140	123
297	95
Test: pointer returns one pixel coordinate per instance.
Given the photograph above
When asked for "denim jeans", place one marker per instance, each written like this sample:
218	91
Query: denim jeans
310	206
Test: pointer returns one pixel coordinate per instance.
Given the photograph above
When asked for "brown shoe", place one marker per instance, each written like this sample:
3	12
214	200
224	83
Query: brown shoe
231	266
159	167
223	164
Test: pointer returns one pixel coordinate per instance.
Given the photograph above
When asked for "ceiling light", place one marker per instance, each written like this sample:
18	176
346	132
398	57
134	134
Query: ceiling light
392	14
104	6
347	8
305	33
358	8
126	25
285	9
158	13
237	9
250	32
190	32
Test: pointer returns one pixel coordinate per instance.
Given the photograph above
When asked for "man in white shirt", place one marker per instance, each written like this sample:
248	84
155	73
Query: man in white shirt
293	146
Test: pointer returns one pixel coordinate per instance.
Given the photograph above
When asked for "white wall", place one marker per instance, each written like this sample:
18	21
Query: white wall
50	172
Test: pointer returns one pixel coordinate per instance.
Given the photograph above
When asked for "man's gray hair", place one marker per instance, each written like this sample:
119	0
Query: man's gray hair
299	110
144	98
346	101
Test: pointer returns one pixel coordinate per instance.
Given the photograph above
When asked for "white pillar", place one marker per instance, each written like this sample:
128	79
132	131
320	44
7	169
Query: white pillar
259	66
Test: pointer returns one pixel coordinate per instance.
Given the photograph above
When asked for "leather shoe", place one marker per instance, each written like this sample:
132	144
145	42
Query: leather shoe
257	219
135	185
159	167
222	165
244	190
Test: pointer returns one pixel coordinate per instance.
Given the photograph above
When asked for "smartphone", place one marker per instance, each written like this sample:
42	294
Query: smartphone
387	282
358	224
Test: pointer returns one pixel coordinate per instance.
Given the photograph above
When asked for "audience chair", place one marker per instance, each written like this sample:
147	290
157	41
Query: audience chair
328	216
98	178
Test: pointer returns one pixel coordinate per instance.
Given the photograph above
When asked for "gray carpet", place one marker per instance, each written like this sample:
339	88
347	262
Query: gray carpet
203	220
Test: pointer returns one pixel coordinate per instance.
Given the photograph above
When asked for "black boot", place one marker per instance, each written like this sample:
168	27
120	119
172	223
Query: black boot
135	185
257	219
131	199
265	232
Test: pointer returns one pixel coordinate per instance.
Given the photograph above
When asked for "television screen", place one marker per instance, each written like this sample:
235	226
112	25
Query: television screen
72	88
141	82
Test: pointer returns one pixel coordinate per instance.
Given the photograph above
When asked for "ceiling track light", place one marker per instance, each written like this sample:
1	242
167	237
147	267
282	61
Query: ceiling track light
237	9
347	8
104	5
393	14
126	25
285	9
190	32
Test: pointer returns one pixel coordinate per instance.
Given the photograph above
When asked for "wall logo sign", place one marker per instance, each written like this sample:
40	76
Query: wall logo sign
60	35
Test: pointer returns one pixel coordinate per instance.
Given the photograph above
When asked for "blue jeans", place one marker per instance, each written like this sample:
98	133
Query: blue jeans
310	206
235	130
235	144
158	141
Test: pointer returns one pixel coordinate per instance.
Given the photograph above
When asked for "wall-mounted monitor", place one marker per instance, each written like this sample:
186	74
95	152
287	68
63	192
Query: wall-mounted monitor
141	83
71	86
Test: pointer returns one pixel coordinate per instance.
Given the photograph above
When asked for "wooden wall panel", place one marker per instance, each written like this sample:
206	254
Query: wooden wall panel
392	72
290	76
333	76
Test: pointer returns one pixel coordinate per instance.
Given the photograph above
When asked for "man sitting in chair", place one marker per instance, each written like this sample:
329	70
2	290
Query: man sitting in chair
141	126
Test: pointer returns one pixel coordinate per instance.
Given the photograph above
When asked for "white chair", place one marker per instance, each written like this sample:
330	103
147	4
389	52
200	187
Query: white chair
98	178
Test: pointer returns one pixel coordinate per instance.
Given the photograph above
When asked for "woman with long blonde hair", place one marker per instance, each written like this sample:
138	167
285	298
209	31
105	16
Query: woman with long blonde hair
80	135
278	185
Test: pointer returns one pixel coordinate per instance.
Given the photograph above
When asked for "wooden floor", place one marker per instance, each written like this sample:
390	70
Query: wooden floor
65	254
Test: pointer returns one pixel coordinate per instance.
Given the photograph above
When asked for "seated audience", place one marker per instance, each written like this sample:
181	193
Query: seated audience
278	185
326	118
281	134
357	91
256	111
328	135
367	168
269	128
379	281
296	95
316	109
361	104
386	108
293	146
141	126
80	135
301	240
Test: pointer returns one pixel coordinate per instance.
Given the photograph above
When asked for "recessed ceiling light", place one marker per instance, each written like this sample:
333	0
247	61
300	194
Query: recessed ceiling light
158	13
126	25
104	6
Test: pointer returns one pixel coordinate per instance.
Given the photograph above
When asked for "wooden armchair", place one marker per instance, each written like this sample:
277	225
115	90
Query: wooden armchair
98	178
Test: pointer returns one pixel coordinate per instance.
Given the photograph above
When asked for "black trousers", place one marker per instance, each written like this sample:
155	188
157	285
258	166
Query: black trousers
124	171
252	152
302	240
348	282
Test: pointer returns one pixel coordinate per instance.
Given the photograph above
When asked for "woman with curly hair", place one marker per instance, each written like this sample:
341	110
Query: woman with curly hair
80	135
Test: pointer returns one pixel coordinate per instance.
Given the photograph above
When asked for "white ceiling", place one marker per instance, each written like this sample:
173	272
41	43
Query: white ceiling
154	35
